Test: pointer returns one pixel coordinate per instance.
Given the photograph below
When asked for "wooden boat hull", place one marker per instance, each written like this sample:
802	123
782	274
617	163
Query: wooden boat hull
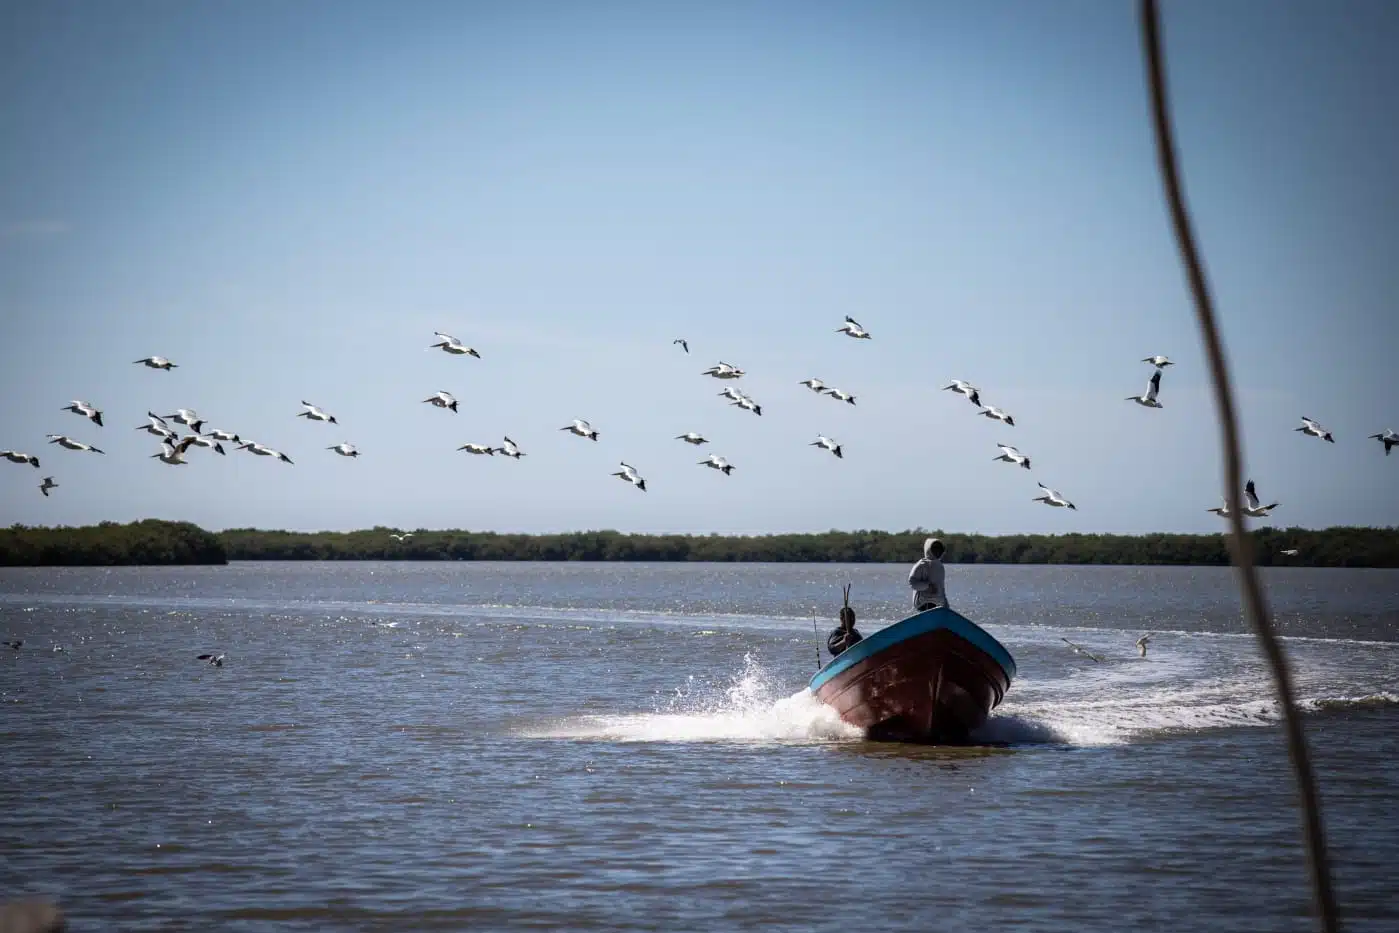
933	677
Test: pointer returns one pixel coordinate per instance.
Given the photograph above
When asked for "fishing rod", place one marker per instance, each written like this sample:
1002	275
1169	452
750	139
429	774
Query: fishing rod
817	632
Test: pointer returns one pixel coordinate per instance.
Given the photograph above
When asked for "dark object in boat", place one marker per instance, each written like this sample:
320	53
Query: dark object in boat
934	677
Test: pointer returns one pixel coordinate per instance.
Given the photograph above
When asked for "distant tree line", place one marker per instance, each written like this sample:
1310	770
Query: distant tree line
109	544
160	542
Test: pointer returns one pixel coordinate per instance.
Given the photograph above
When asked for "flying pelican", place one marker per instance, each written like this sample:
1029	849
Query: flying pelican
15	645
1079	649
1053	498
478	449
991	411
86	410
690	437
1148	398
453	346
345	450
313	413
442	399
403	537
170	454
841	396
46	485
1290	552
725	371
1222	511
1312	429
815	385
262	451
852	328
1389	438
188	418
64	440
747	404
15	456
967	389
1251	507
629	474
1144	640
194	440
224	436
1158	361
580	428
1011	455
826	443
717	463
158	362
684	344
732	394
510	449
214	659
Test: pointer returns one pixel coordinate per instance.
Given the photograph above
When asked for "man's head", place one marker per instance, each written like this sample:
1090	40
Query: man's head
933	549
847	617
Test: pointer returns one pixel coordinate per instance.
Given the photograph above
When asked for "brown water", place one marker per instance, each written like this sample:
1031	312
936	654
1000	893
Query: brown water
482	746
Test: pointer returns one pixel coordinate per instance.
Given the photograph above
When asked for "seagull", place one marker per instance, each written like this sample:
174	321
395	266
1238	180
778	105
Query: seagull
747	404
967	389
261	451
510	449
1251	507
725	371
684	344
403	537
628	473
852	328
46	485
1053	498
345	450
158	427
841	396
188	418
1148	398
478	449
1290	552
825	442
1388	439
1145	639
991	411
1078	649
815	385
224	436
15	456
581	428
1312	429
1158	361
214	659
454	346
64	440
691	437
194	440
313	413
718	463
170	454
1011	455
442	399
158	362
86	410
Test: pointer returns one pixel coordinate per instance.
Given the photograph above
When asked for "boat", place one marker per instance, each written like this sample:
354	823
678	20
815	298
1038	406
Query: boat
934	677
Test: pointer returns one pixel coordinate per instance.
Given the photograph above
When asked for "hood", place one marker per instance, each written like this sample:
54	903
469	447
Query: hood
928	548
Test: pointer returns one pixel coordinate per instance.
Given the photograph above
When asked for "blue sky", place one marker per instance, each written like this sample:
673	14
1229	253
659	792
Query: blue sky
288	199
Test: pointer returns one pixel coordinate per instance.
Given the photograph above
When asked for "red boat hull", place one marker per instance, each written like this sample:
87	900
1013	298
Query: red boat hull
934	687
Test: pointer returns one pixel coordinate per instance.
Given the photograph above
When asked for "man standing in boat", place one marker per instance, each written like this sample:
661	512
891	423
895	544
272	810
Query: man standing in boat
846	635
928	578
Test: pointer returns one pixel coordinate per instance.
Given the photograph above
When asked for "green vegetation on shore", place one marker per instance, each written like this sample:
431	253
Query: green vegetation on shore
160	542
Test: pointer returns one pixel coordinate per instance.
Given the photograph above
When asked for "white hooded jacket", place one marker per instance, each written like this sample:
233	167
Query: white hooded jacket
928	580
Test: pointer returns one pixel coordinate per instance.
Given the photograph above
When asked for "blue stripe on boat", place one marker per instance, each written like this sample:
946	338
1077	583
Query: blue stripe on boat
912	627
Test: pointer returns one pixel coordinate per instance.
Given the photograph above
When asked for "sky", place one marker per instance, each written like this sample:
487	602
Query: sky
289	199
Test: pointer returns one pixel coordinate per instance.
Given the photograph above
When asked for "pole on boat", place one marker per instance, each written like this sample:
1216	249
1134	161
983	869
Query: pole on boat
817	632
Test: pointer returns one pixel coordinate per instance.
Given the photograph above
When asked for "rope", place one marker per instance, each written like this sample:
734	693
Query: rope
1240	544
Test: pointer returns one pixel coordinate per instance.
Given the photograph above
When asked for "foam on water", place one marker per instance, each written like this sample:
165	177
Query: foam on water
750	708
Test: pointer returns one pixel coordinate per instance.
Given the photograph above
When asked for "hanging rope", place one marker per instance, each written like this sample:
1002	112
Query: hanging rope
1239	542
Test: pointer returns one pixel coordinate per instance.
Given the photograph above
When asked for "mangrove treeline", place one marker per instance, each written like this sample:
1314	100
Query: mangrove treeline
159	542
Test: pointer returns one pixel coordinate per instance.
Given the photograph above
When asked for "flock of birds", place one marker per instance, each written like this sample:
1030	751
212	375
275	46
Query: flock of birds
176	445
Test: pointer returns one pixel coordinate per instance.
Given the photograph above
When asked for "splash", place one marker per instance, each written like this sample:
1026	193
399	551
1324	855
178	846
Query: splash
749	708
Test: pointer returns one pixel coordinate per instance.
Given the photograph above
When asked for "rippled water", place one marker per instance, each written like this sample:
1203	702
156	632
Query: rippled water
478	746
